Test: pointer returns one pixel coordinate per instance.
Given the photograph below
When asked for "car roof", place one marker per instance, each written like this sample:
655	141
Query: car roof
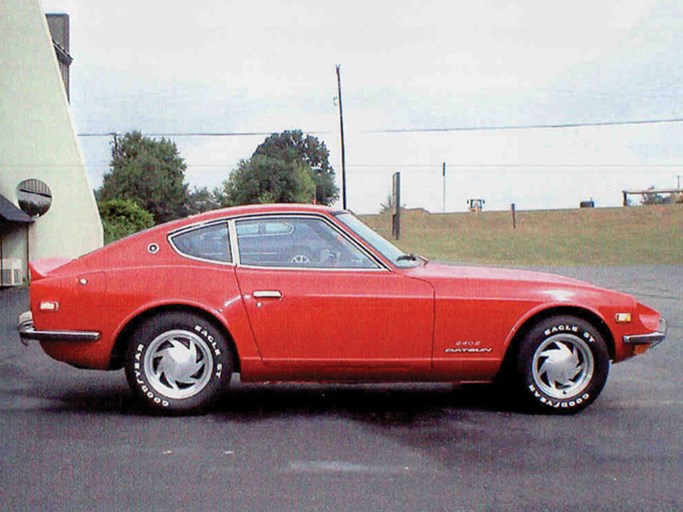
267	208
252	209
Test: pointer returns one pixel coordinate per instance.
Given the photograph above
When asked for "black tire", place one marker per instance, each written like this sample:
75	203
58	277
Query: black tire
178	362
562	365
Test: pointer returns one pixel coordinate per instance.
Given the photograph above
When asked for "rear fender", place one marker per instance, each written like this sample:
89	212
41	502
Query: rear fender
39	269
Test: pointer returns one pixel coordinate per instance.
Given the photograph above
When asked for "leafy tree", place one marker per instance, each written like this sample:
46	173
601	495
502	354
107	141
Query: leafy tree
202	200
121	217
149	172
306	187
293	147
263	179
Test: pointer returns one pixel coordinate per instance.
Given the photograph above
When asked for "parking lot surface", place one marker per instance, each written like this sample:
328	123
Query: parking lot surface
74	440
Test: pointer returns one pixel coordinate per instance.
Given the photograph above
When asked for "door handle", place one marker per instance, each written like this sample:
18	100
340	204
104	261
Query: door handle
267	294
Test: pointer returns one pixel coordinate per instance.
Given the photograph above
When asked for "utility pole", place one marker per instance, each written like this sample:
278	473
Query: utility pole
341	129
444	187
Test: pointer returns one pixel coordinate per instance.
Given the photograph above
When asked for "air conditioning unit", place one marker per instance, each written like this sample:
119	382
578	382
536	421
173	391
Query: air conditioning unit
12	272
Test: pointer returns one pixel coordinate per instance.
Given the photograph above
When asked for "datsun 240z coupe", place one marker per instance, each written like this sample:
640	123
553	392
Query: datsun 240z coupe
309	293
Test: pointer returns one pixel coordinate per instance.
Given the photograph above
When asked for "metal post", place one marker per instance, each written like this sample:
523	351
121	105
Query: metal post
396	216
514	217
444	187
341	129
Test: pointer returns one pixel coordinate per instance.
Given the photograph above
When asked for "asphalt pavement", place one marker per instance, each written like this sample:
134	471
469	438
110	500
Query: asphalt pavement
74	440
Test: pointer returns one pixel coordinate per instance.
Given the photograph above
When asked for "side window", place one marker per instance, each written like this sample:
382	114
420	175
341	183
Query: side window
297	242
208	243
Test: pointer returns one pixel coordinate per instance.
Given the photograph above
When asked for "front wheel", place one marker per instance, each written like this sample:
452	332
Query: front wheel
562	365
178	362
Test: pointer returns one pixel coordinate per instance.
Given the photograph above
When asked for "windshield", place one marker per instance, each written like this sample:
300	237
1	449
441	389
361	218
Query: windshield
383	246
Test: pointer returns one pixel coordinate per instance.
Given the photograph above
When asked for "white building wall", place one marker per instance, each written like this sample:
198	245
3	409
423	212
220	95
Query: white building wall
14	245
38	140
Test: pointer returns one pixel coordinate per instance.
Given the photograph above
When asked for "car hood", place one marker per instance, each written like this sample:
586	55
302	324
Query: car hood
486	283
439	271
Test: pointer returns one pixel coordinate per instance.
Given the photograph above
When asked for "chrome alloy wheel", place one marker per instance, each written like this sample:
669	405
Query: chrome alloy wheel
563	366
178	364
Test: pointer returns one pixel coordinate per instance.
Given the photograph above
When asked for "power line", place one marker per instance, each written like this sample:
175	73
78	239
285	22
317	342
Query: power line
410	130
497	170
197	134
526	127
185	134
437	166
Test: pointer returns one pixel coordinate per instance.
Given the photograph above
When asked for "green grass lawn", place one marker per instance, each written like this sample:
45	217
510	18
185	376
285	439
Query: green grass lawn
591	236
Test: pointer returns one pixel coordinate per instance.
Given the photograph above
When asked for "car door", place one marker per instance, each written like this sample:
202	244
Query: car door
316	298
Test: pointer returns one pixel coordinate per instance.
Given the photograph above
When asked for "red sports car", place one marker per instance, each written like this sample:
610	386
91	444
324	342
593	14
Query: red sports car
309	293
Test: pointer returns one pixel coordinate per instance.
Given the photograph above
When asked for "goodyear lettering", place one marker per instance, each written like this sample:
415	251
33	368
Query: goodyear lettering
143	386
558	404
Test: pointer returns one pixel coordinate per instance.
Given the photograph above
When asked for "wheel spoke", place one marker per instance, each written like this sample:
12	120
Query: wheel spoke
169	380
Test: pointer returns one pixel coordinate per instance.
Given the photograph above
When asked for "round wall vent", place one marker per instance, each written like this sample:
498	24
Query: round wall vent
34	197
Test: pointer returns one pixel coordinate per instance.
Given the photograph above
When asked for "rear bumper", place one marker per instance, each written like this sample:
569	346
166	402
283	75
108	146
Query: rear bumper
652	338
27	332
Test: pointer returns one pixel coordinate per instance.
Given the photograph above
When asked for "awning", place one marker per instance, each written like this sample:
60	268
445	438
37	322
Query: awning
9	212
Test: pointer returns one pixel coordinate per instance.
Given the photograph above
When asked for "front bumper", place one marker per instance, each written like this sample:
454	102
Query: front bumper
27	332
652	339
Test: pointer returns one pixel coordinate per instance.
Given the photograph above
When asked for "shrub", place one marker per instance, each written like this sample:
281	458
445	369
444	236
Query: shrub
123	217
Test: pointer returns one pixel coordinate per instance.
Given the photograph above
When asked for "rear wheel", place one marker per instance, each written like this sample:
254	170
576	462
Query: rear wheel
178	362
562	365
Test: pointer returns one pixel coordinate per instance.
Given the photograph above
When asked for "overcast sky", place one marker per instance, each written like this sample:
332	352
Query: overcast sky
265	66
